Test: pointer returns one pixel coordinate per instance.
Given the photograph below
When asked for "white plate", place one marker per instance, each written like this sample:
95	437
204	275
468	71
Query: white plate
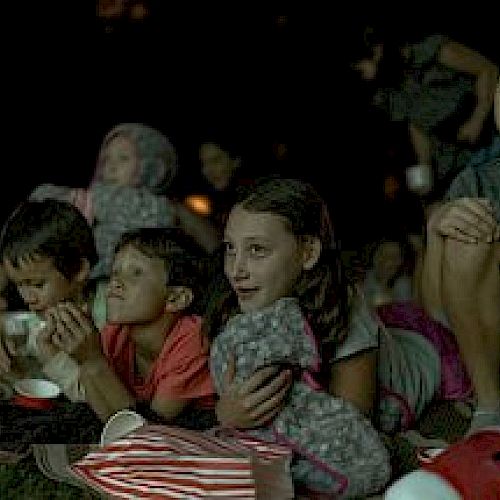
37	388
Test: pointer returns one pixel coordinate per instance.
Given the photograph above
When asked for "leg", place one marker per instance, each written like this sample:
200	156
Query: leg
471	297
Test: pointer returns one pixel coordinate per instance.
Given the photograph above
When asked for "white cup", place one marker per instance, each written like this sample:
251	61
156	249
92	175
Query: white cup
120	424
419	179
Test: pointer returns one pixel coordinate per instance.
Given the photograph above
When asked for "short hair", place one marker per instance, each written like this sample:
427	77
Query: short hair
185	261
49	228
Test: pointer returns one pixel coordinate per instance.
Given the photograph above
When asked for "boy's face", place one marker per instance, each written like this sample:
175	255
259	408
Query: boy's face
137	290
40	284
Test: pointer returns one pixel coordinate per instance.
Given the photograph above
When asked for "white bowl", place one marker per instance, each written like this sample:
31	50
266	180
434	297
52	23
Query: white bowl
37	388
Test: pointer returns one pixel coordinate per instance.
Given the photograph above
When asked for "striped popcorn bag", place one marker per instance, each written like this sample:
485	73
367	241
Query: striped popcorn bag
163	462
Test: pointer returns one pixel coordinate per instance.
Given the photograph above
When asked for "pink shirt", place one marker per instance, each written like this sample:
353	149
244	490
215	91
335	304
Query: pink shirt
180	371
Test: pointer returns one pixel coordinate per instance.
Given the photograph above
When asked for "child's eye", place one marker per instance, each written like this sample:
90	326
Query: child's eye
257	250
228	248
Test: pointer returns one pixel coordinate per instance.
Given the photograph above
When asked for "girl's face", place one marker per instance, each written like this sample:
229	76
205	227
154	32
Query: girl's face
41	285
137	289
119	162
216	165
263	259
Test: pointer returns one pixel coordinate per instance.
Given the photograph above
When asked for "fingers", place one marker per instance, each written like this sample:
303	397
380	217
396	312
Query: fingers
230	371
71	327
5	361
259	379
469	220
270	406
269	395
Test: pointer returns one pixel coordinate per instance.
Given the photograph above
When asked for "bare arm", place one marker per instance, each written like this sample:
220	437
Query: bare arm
471	284
467	60
198	228
355	380
104	398
254	402
421	144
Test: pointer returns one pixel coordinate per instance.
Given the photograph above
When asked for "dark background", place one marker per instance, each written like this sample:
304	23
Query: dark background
253	79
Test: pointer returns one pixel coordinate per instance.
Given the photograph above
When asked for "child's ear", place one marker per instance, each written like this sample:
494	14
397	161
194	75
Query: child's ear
178	298
311	251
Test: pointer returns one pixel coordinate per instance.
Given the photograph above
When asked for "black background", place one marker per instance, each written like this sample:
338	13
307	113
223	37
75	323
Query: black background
253	79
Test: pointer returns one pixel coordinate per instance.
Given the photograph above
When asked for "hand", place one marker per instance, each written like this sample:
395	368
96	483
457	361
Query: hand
470	130
74	332
469	220
45	348
7	351
254	402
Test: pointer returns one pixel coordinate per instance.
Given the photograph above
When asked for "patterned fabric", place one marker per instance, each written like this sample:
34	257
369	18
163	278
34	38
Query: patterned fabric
336	449
434	98
168	462
118	209
480	178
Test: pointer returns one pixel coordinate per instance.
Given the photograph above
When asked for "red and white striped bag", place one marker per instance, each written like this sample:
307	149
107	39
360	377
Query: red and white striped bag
163	462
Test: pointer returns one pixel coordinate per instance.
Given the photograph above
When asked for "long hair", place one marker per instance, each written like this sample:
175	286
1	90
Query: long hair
323	292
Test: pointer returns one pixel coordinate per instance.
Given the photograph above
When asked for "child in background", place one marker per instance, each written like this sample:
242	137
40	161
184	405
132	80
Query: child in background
285	275
152	351
135	168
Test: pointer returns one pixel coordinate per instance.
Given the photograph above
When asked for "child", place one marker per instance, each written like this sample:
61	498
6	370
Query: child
48	251
135	167
285	274
152	349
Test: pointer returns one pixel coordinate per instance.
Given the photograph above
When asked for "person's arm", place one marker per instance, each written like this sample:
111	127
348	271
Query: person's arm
199	228
73	337
104	391
471	295
355	380
466	220
467	60
421	144
254	402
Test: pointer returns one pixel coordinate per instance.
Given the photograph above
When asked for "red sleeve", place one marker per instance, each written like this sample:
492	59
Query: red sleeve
182	370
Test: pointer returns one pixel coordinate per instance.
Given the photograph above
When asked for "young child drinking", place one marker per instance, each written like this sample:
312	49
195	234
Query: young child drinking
294	307
48	250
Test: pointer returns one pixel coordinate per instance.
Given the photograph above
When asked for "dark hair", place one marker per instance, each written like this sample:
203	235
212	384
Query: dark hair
185	261
50	228
323	292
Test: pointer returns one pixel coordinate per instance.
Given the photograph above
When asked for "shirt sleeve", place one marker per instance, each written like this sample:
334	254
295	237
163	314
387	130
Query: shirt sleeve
182	370
363	333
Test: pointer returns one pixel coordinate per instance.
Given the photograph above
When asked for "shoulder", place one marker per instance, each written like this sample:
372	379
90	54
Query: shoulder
363	331
186	335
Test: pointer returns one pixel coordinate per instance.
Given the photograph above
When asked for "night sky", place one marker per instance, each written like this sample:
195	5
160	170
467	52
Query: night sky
251	79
